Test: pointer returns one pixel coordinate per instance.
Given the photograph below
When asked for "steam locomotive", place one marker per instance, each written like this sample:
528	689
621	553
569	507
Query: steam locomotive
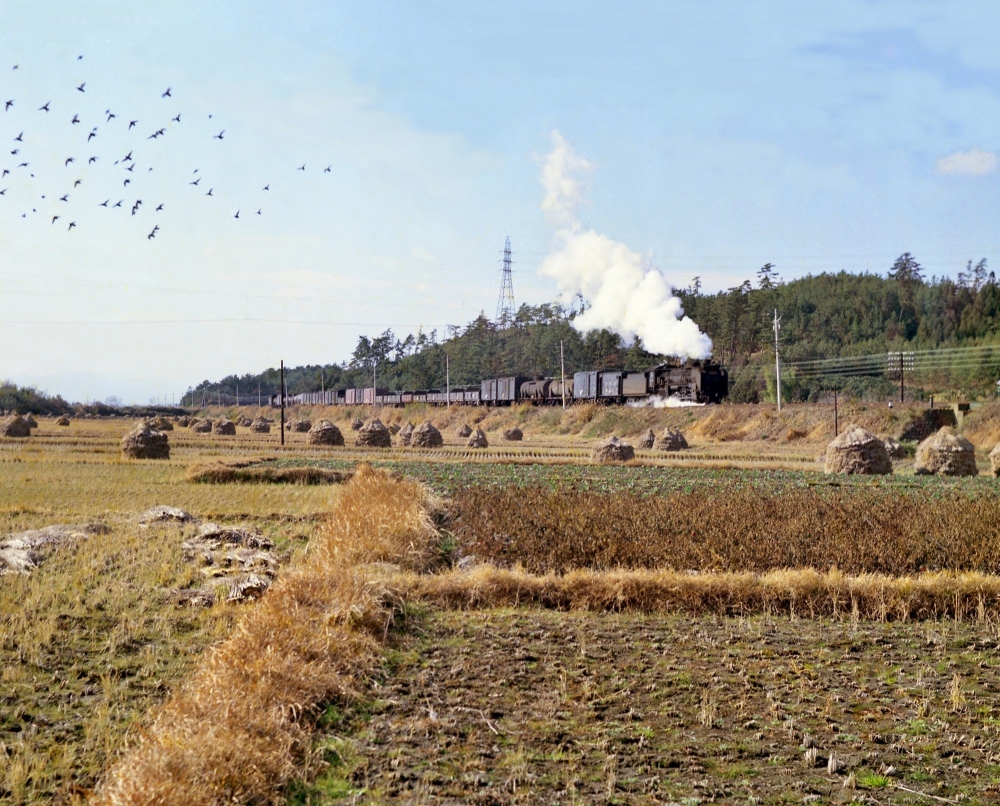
692	382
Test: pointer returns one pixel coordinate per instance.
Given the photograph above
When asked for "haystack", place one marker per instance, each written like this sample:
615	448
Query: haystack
464	431
202	426
325	433
513	434
64	420
946	453
374	435
857	451
614	450
299	426
405	433
15	426
995	460
478	439
394	429
31	421
672	440
647	440
260	426
426	435
357	424
184	421
245	422
143	442
894	449
161	424
224	427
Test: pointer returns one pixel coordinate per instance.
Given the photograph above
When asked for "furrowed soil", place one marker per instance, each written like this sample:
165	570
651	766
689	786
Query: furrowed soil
528	706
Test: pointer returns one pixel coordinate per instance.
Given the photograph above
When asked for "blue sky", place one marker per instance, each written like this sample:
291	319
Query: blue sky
721	136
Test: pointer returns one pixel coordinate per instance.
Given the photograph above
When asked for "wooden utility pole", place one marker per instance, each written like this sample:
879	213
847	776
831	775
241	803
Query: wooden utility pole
900	376
237	393
777	360
836	423
562	371
447	381
282	382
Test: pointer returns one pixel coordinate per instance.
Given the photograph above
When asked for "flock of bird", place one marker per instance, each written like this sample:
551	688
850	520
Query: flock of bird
19	162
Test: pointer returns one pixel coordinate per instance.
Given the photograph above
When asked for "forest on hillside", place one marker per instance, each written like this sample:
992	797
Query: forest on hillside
822	316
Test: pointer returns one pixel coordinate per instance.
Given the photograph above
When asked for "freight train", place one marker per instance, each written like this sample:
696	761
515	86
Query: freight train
692	382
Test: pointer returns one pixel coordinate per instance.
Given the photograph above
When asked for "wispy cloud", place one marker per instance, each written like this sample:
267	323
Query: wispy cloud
974	162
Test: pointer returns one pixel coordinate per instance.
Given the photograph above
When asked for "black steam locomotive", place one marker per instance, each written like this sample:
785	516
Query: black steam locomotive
691	382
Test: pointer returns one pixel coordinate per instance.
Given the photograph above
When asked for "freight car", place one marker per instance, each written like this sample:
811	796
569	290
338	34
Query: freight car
691	382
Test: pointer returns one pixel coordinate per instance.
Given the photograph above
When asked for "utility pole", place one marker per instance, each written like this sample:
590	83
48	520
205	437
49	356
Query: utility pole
374	385
777	360
322	380
282	382
447	381
237	393
900	376
836	423
562	372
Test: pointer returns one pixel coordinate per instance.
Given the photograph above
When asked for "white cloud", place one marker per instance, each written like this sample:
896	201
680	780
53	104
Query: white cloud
974	162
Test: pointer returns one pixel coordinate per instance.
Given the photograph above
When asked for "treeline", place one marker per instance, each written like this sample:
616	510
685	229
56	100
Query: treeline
27	400
826	315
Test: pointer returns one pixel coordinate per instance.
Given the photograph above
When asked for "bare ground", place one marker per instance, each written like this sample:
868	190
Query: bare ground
529	706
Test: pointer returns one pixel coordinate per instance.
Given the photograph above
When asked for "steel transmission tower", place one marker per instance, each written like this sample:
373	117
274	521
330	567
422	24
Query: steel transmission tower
505	305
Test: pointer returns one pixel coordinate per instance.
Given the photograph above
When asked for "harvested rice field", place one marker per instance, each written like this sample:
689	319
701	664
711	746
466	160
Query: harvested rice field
516	625
529	706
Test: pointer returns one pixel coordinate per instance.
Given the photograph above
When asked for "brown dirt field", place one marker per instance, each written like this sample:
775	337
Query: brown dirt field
527	706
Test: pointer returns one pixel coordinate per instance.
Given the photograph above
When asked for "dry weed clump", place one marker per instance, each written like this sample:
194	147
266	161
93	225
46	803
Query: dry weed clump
796	592
236	473
237	730
734	529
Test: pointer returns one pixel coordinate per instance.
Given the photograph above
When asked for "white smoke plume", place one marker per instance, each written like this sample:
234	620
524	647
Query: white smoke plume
626	294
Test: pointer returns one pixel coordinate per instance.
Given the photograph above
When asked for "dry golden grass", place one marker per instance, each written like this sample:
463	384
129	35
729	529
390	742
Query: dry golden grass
237	730
797	592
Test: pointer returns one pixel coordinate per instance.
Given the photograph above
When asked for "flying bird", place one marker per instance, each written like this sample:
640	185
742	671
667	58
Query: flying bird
153	233
7	105
177	119
77	182
92	135
267	186
126	183
195	182
104	203
117	204
237	214
219	135
158	208
130	167
76	119
127	157
64	198
302	167
23	165
54	219
80	88
16	66
15	152
132	123
4	191
166	94
68	161
258	212
71	225
19	138
5	172
92	160
44	108
210	191
110	116
326	170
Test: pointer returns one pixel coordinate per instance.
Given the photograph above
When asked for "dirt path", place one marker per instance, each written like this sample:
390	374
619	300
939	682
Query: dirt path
541	707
